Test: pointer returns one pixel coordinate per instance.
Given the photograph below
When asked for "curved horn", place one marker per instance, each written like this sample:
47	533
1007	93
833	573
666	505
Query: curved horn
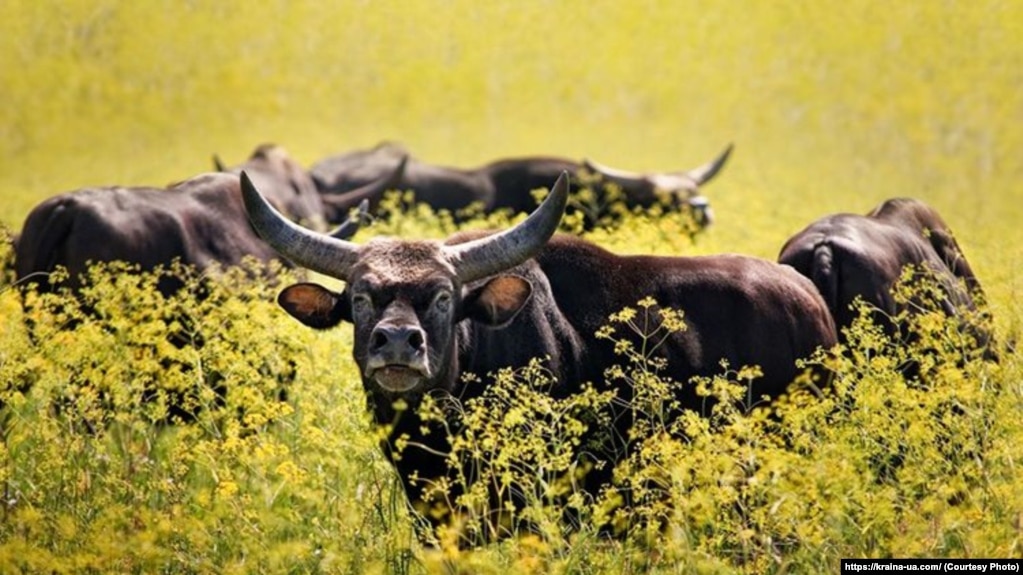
485	256
218	164
303	246
609	172
352	224
710	169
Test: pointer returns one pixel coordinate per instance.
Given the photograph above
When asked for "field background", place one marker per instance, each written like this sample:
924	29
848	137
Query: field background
832	106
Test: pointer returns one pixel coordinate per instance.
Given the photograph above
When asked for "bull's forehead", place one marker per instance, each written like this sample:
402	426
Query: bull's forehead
393	261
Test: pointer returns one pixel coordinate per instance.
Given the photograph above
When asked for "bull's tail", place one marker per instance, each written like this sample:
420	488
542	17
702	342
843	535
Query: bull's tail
824	274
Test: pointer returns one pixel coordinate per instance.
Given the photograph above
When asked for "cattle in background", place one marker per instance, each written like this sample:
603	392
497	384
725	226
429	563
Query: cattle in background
290	183
509	183
426	312
200	221
278	170
849	256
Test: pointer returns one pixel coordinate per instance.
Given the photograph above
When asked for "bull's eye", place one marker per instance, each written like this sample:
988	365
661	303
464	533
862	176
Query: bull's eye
361	304
442	302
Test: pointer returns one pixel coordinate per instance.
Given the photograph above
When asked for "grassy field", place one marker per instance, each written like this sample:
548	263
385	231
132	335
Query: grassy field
832	107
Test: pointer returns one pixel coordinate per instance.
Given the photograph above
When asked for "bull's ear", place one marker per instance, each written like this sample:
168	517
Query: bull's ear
496	302
314	305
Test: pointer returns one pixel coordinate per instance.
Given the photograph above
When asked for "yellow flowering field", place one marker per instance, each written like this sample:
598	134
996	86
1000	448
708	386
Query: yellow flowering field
249	450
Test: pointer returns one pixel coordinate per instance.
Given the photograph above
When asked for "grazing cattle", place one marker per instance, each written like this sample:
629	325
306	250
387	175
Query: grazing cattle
289	182
426	312
200	221
280	170
849	256
508	184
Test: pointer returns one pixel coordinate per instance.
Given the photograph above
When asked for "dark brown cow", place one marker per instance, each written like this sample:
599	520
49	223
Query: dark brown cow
425	312
333	207
509	183
200	221
849	256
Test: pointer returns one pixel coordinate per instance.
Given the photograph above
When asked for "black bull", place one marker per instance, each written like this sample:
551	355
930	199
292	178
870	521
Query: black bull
849	256
199	222
425	312
508	184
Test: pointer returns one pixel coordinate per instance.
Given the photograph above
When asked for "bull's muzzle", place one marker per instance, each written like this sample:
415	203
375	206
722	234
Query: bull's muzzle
397	359
702	212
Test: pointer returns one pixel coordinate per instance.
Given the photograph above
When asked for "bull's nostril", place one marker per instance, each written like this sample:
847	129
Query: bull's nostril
415	340
397	339
378	341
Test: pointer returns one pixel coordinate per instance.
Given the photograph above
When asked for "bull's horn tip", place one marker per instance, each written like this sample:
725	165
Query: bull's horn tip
248	188
562	181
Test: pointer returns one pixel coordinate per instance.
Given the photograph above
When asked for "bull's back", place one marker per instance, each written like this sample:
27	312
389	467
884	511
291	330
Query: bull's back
740	309
447	188
744	310
868	256
146	227
920	219
515	179
75	229
346	172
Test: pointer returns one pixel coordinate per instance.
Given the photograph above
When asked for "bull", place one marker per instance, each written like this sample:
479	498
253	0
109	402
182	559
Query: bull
850	256
200	221
427	312
507	184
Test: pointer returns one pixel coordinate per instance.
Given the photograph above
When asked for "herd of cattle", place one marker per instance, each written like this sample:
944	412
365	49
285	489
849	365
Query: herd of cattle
201	220
425	311
507	184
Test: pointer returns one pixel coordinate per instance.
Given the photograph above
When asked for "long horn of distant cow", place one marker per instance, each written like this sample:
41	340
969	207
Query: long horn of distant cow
302	246
609	172
489	255
710	169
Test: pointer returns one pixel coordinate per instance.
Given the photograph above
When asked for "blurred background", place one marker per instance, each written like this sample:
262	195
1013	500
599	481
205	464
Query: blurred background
832	106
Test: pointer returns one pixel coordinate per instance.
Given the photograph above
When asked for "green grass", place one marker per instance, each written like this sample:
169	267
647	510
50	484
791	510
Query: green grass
831	107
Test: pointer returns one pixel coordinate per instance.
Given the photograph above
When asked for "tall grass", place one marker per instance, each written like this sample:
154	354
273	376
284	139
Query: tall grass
269	463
